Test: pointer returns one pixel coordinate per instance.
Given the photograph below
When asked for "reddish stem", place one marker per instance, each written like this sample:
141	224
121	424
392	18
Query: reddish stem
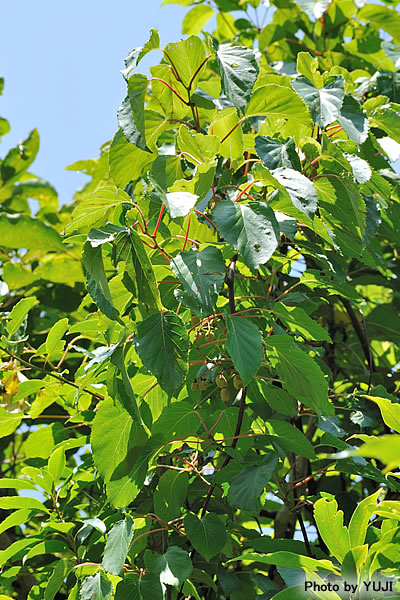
159	219
198	70
335	132
311	164
198	212
244	191
171	88
233	129
183	123
187	233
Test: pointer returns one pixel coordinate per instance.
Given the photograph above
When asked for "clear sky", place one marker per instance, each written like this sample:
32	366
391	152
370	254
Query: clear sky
61	62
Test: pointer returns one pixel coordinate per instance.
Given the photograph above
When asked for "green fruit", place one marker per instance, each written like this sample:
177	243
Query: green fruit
221	381
210	337
195	320
237	382
203	385
225	395
195	386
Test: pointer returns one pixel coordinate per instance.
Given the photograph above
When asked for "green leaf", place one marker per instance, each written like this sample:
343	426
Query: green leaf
19	517
166	170
47	547
196	19
127	161
297	320
176	420
111	432
385	448
55	334
383	17
139	277
324	103
162	344
19	159
135	588
96	587
9	421
199	146
227	128
278	101
96	208
96	280
301	190
56	464
299	373
247	486
128	478
360	519
289	560
388	119
187	57
173	567
354	120
290	438
62	570
8	502
202	274
117	546
244	344
275	153
19	231
251	229
135	56
238	69
207	535
18	314
170	494
390	411
17	484
179	204
133	122
330	526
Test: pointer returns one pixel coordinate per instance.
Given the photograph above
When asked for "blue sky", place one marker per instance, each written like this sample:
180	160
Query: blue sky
61	63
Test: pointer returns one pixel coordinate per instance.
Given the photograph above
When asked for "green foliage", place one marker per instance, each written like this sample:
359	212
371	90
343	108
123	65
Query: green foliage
199	355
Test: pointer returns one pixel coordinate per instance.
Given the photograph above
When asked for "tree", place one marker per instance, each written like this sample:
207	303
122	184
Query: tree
199	353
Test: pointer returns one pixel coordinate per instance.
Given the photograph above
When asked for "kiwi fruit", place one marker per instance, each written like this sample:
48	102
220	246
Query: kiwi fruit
203	385
195	386
195	320
225	395
221	381
237	382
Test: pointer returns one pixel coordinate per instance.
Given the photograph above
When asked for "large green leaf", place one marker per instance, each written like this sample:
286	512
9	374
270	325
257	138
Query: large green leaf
139	588
247	486
96	280
179	204
175	421
62	570
187	57
196	19
170	495
127	161
202	274
251	229
96	587
388	119
301	190
360	519
289	437
96	208
19	313
133	123
297	320
354	120
9	421
278	101
299	373
324	103
207	535
162	344
135	56
289	560
173	567
390	411
111	432
19	159
244	344
197	145
139	277
330	526
239	70
276	153
117	546
227	128
20	231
